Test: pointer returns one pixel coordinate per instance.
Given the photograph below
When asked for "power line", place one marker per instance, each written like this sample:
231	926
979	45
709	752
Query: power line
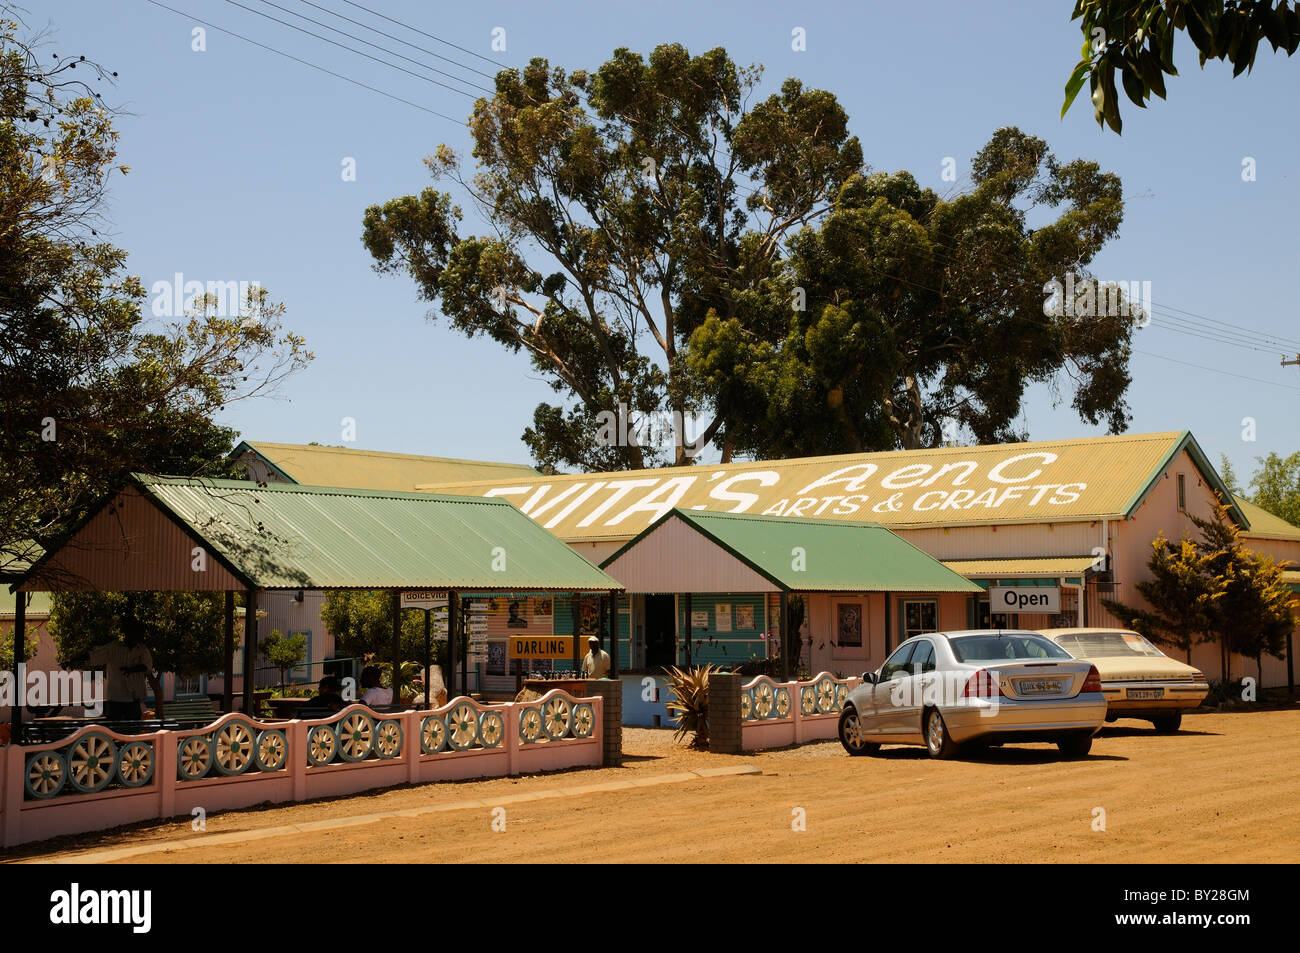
398	39
381	16
1216	370
322	69
236	3
326	26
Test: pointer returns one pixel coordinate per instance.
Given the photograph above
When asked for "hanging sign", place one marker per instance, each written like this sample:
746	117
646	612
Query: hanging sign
1045	599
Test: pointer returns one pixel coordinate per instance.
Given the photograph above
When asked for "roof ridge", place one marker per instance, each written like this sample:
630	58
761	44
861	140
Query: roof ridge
314	448
304	488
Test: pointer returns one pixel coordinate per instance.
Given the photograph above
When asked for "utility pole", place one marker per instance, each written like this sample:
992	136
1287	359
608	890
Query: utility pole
1291	363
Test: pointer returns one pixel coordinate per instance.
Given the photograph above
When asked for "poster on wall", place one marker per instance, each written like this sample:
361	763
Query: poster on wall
699	618
722	616
518	618
496	658
744	617
588	616
848	629
543	608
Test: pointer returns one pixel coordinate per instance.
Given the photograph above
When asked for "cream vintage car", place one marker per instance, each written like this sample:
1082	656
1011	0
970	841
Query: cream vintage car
1138	680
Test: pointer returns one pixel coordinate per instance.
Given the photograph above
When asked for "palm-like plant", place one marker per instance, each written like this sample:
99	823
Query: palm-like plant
690	702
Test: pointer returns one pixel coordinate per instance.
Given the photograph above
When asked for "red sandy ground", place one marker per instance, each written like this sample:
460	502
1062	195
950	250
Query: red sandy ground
1227	788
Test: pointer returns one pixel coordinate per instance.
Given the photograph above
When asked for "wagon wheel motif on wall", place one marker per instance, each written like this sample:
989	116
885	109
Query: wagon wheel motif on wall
46	774
135	764
746	706
808	700
530	725
782	703
763	699
91	762
388	739
272	749
557	716
194	757
356	736
463	724
825	694
233	748
322	745
584	720
433	735
491	729
841	696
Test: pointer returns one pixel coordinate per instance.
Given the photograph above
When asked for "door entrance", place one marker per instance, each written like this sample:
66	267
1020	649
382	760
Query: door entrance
660	632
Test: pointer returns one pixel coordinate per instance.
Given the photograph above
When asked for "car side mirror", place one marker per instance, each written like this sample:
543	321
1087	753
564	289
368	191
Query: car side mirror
869	677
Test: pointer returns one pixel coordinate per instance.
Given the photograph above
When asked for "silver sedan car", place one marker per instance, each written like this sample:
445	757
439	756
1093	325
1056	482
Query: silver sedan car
984	687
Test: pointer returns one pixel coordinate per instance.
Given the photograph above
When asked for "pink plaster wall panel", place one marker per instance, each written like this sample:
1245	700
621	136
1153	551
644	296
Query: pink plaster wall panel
166	796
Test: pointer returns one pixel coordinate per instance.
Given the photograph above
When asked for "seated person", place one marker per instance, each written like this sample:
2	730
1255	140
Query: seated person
329	694
374	694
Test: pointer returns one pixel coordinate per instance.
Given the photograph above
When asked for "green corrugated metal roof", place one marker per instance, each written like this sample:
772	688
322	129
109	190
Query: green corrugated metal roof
837	556
38	605
288	536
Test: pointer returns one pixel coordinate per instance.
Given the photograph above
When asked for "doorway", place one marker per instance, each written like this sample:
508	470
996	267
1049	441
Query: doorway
660	632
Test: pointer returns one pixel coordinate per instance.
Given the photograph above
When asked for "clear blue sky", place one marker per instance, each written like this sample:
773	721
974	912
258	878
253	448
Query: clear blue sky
236	156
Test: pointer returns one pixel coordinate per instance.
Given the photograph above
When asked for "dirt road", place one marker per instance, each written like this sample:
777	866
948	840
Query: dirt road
1225	789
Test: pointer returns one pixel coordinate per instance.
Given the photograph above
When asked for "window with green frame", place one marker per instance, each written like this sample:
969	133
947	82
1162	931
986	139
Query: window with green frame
918	616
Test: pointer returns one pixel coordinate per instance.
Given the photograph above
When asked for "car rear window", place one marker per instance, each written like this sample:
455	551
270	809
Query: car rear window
1004	648
1108	645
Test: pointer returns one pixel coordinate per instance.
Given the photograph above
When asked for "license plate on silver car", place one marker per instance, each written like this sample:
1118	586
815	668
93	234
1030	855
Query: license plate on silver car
1146	694
1040	686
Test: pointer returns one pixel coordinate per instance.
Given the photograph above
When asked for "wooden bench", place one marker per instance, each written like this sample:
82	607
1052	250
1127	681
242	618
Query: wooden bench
190	712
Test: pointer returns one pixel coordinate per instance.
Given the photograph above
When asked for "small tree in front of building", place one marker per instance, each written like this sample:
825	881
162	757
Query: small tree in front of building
284	651
1253	616
31	644
1213	590
1181	594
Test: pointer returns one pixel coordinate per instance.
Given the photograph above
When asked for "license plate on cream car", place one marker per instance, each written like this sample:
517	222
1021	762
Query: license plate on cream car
1040	686
1146	694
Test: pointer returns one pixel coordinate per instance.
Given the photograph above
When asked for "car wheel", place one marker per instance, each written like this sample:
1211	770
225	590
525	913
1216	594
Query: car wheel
1075	746
1168	724
851	734
937	740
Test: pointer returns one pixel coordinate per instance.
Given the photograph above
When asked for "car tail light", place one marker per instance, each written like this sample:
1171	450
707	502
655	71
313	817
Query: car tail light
1199	677
983	684
1093	682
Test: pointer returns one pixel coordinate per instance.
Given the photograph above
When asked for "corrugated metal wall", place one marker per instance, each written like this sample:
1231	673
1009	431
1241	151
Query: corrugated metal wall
131	546
734	647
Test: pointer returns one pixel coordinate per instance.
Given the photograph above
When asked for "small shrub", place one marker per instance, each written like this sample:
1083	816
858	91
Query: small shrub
690	702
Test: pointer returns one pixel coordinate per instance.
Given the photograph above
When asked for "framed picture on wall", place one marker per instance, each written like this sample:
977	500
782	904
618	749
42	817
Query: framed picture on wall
848	624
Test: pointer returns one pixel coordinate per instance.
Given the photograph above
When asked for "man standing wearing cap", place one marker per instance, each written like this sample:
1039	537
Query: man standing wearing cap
596	662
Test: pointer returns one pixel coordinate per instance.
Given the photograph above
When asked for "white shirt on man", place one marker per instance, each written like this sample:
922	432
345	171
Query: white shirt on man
118	685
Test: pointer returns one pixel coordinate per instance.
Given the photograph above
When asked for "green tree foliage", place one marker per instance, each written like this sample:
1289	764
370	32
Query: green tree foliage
32	643
625	205
911	302
1275	486
284	651
1213	590
89	391
662	244
1253	615
362	624
183	631
1134	41
1181	595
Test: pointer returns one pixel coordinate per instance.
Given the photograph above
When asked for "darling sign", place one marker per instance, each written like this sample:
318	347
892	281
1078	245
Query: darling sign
944	489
